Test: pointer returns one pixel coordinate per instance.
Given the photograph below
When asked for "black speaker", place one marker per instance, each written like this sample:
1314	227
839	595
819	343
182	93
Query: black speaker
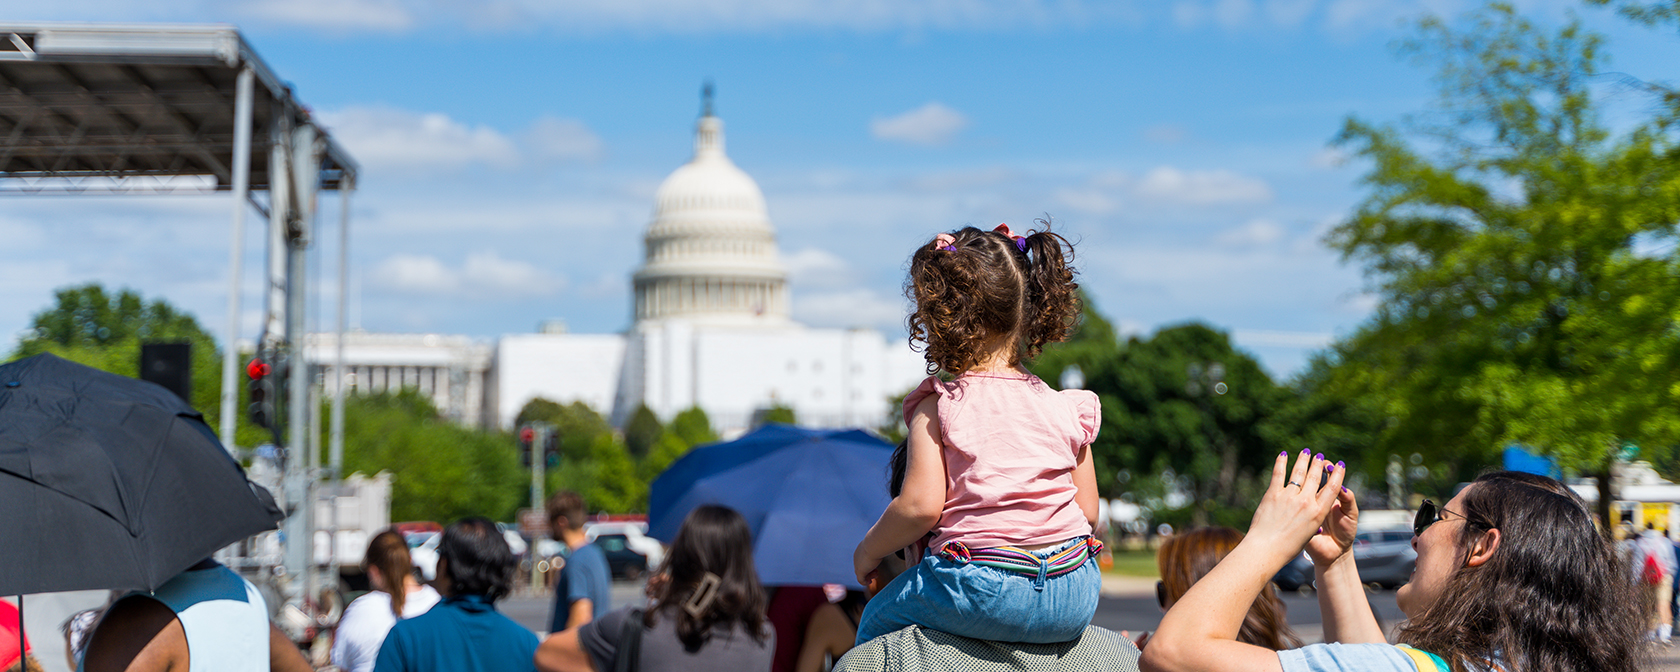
169	365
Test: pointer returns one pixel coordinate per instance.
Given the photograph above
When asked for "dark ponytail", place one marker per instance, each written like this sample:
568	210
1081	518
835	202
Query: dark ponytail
1051	291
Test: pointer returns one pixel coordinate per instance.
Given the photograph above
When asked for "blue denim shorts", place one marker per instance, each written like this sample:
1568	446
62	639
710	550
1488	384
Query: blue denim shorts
985	602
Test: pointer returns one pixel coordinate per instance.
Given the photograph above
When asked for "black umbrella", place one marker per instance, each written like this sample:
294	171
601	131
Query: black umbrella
109	482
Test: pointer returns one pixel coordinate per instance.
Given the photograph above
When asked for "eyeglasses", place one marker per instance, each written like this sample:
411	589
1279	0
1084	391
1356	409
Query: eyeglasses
1429	514
1161	594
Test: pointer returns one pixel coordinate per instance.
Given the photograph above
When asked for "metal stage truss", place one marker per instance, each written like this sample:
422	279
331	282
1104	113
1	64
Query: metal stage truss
171	109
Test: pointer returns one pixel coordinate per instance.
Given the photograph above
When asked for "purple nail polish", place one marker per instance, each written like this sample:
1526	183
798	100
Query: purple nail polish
1306	451
1329	468
1344	488
1340	464
1281	453
1319	456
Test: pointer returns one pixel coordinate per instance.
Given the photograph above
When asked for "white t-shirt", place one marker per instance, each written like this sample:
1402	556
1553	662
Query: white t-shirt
365	623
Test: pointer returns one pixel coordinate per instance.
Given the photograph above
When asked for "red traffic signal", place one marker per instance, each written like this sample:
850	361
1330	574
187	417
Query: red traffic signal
527	435
257	369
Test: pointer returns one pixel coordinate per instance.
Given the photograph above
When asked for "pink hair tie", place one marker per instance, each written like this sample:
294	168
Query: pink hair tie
945	241
1020	241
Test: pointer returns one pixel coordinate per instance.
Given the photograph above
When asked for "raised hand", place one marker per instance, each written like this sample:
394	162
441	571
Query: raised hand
1297	504
1335	533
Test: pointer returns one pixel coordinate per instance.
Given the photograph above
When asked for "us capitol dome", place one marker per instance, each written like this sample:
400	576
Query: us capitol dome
711	256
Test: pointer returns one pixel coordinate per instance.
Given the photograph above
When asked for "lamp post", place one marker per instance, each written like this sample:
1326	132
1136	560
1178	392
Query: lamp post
1204	380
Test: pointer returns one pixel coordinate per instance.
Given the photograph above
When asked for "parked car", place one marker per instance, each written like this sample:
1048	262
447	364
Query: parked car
1296	575
422	551
622	561
1385	558
635	534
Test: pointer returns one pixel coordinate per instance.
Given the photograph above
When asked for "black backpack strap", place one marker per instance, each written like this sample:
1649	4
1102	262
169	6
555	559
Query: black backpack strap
628	655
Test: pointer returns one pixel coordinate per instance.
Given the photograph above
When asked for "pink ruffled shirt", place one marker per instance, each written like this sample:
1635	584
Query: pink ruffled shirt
1011	444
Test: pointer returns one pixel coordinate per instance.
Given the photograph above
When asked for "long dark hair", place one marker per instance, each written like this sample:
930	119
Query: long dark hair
1185	558
713	539
986	286
1555	596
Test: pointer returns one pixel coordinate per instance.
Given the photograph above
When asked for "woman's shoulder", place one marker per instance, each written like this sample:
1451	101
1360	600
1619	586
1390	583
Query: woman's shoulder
420	601
1373	657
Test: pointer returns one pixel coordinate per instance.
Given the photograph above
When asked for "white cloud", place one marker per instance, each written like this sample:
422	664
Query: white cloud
483	275
813	267
1329	158
394	139
930	124
1267	338
563	139
1253	234
1090	200
338	15
1166	134
1209	187
404	141
850	308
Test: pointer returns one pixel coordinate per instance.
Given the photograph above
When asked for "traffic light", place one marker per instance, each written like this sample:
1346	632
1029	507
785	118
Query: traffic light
551	448
262	408
527	436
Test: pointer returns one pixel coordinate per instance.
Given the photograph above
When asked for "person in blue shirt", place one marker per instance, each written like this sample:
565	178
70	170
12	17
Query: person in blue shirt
583	592
464	632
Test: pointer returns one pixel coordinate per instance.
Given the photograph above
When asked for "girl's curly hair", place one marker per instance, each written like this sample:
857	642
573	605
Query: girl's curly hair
986	287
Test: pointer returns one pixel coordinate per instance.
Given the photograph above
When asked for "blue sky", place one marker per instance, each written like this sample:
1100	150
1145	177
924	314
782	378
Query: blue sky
511	149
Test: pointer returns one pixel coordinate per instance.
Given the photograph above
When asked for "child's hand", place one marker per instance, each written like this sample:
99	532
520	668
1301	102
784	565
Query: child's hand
864	565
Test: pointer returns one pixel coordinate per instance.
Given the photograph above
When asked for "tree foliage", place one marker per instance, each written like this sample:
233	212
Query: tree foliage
1509	237
89	325
642	431
440	471
1163	416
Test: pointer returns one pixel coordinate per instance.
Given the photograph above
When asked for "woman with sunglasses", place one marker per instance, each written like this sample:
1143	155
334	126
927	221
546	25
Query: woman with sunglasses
1511	575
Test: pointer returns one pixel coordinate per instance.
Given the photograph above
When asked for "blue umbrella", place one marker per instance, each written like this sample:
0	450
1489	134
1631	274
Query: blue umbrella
808	494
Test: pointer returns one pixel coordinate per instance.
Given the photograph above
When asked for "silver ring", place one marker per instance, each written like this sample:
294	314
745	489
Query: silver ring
1294	483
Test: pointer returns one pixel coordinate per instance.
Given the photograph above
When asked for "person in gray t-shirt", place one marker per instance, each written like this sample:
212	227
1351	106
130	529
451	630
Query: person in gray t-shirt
707	611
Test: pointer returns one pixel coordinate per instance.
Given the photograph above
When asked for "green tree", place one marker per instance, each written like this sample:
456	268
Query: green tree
92	326
579	425
642	431
778	413
693	427
1504	238
440	471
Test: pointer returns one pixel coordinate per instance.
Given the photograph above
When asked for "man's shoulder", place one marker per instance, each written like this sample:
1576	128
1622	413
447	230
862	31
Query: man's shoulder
918	649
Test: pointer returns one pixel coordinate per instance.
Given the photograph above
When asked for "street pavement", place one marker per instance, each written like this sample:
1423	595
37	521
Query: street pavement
1127	604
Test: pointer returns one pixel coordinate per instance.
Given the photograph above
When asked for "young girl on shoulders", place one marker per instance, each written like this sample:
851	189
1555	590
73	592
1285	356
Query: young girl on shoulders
999	463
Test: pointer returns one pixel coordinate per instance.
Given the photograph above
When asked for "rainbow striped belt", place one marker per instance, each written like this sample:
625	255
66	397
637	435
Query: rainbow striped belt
1022	561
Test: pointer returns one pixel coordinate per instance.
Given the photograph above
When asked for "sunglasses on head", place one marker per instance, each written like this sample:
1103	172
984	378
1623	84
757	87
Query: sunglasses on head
1428	514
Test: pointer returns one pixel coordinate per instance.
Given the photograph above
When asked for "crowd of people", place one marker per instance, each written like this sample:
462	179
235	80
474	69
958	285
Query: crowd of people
983	560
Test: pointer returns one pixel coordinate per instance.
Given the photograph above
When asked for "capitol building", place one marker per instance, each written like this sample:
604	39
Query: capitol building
711	328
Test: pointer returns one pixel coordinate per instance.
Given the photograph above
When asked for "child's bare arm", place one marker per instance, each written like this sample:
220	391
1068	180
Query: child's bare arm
1085	478
917	507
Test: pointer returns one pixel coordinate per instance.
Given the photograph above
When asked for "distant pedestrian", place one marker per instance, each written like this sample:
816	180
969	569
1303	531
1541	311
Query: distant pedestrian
205	618
707	613
396	595
464	632
584	591
1654	566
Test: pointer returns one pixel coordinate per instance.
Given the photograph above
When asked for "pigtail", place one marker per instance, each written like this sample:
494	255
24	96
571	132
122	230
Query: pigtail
1051	291
949	287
